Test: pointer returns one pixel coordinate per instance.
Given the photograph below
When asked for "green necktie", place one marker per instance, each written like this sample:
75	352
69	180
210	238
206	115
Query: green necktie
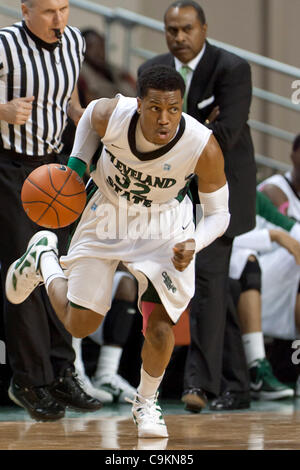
184	70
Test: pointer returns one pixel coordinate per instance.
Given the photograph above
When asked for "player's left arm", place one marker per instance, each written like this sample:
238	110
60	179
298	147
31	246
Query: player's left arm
214	195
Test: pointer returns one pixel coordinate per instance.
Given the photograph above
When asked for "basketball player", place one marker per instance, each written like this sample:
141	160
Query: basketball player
140	215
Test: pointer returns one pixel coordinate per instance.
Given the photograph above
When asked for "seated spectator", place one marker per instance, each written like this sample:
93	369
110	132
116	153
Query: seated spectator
269	277
284	190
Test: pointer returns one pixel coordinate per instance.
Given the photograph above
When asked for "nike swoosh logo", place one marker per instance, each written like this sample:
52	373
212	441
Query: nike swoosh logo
257	386
114	391
184	228
120	148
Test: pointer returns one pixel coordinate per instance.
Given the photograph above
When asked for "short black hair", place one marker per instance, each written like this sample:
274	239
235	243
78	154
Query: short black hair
160	77
296	143
186	4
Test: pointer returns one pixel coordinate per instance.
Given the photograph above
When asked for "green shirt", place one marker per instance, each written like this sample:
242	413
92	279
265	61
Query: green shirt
266	209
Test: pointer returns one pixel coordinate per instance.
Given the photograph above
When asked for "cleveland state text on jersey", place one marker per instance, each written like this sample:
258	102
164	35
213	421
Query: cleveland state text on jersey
134	185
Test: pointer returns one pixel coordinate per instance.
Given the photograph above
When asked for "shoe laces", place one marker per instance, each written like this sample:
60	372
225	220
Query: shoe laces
78	382
147	408
263	370
73	381
43	394
226	398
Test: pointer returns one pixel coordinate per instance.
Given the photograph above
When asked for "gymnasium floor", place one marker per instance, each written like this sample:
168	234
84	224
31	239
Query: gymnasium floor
266	426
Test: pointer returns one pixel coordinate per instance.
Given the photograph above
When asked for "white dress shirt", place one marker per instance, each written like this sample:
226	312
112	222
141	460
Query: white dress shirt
192	65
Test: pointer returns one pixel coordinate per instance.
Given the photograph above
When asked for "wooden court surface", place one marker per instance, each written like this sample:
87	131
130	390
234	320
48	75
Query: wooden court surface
276	428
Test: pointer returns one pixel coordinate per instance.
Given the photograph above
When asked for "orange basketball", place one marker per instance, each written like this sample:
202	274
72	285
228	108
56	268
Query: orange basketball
53	195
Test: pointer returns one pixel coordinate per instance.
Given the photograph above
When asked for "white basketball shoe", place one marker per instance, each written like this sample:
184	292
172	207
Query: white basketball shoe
88	387
23	275
116	385
147	415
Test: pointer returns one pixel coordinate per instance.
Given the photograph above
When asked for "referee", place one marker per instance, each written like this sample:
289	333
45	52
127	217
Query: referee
40	59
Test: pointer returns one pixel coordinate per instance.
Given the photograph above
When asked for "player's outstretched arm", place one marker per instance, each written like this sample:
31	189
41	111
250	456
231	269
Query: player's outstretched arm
213	194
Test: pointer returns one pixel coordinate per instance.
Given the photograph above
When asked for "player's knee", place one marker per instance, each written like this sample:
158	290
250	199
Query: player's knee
127	289
251	275
82	322
159	334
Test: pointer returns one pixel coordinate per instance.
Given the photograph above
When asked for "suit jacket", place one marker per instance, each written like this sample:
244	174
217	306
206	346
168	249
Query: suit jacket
224	79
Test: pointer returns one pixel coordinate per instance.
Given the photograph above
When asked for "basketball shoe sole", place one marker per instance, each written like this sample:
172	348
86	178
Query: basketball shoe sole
23	275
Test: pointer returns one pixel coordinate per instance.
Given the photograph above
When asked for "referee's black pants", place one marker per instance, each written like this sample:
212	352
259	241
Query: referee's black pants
215	360
38	346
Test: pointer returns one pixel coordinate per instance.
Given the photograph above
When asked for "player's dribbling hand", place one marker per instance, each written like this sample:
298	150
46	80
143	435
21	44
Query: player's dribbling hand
183	254
18	110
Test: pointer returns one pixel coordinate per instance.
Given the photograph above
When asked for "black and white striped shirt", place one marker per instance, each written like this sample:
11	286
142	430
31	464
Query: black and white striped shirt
49	72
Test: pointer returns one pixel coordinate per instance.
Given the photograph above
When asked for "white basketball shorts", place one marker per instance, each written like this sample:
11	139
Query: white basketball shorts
143	241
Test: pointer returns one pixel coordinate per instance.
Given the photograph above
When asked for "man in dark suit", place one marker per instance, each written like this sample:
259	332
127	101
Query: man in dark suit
219	92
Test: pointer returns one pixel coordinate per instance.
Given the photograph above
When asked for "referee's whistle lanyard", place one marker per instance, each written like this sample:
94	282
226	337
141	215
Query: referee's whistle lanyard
58	34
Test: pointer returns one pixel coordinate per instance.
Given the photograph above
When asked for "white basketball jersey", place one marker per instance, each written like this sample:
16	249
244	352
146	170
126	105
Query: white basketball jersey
294	200
144	179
